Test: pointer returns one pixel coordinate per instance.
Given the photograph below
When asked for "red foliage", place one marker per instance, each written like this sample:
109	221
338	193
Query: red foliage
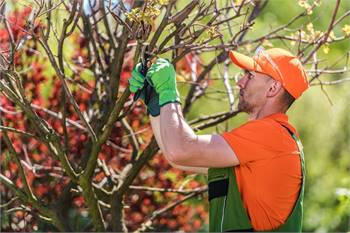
18	21
44	171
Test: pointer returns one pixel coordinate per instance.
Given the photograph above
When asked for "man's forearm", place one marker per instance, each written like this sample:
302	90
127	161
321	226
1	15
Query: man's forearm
174	130
184	147
155	123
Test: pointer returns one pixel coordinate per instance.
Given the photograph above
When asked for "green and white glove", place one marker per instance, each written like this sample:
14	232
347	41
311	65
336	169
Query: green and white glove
162	77
136	82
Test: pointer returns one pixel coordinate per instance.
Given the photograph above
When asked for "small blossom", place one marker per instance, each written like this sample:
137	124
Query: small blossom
267	43
302	3
163	2
326	49
213	32
310	27
346	30
331	36
248	47
317	2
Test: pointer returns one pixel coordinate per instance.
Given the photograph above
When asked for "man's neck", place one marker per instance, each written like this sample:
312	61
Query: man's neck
264	112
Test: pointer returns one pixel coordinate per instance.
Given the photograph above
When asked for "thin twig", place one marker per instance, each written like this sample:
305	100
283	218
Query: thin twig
148	223
165	190
326	35
329	83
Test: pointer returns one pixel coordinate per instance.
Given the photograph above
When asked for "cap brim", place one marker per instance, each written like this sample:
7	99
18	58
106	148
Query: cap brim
244	62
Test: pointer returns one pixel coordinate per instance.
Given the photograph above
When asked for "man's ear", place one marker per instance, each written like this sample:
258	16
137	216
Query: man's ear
274	89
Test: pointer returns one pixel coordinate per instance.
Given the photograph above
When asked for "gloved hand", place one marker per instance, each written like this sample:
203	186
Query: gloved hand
162	77
136	82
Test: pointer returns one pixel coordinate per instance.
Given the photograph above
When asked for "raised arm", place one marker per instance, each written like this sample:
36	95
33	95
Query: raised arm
178	142
155	123
136	83
183	147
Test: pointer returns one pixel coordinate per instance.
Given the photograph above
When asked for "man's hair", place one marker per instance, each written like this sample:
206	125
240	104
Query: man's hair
287	98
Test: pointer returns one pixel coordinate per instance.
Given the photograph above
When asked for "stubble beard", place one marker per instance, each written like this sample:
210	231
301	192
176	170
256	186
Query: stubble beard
244	106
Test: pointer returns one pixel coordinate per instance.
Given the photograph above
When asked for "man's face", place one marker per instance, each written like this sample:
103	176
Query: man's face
253	88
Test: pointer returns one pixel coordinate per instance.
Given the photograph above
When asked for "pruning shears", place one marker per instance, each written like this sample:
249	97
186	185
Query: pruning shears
147	88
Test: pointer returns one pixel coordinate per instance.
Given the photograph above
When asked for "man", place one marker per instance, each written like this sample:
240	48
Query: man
256	171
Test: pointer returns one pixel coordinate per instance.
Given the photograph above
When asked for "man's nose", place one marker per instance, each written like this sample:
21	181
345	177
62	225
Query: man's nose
242	82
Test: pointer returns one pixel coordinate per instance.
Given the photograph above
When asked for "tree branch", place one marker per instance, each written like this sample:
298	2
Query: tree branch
50	214
326	35
148	223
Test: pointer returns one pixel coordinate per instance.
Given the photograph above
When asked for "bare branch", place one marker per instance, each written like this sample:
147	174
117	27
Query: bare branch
132	138
50	214
9	202
15	156
228	86
9	129
216	120
326	35
66	89
148	223
165	190
329	83
221	57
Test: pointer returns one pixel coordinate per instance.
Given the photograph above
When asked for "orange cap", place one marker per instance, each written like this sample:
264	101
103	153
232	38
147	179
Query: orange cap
278	63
